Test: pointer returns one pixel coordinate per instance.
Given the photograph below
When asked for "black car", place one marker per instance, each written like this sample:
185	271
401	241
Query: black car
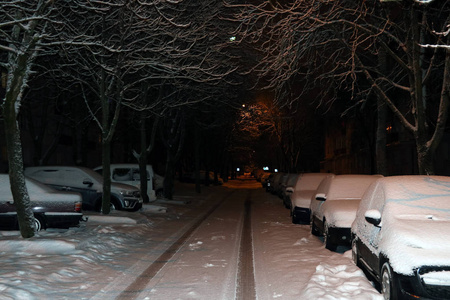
51	208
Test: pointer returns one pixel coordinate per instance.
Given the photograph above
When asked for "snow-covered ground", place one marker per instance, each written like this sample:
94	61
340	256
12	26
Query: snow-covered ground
123	255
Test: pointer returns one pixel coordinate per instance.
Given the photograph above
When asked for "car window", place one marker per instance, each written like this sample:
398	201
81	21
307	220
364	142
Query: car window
122	174
49	176
37	187
137	175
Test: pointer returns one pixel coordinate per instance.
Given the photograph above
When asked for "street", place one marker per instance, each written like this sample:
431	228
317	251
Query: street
230	242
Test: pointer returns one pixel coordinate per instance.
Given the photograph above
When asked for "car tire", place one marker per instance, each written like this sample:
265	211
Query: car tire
355	252
314	230
38	223
326	238
295	219
159	193
389	283
113	205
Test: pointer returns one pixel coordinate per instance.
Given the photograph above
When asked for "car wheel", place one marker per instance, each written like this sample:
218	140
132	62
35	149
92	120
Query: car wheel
159	193
355	254
314	229
38	223
326	238
295	219
112	205
389	283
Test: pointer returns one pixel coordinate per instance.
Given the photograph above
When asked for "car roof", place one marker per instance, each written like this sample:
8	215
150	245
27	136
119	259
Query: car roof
348	186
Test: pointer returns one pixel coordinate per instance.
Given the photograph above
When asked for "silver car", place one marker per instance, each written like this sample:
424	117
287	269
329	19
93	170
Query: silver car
89	184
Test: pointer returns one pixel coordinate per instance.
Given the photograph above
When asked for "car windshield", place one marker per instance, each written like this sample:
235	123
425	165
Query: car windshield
35	186
94	174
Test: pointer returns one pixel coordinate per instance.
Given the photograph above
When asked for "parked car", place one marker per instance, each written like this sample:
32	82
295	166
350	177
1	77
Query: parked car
401	236
129	174
333	208
286	188
301	194
51	208
269	182
264	178
276	182
89	184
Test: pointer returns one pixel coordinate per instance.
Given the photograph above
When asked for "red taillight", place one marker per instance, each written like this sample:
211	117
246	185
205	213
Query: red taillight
78	206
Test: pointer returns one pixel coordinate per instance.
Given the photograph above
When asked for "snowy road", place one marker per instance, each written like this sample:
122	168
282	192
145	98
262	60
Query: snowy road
231	242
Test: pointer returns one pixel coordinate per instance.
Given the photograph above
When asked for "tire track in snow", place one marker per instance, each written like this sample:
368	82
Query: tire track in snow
245	283
136	287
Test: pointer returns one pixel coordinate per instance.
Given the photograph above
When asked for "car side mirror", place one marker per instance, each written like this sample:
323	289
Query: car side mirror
88	182
321	197
373	217
289	189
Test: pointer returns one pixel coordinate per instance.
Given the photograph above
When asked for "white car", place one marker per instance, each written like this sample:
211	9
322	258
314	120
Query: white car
287	188
301	194
51	208
89	184
401	236
334	206
129	174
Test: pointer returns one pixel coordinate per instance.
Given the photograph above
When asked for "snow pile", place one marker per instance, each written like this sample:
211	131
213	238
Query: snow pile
336	279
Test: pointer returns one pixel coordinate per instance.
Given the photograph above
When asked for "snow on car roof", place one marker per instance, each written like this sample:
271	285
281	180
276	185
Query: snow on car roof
310	181
349	186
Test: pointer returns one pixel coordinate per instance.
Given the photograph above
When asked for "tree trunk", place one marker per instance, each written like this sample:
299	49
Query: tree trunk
106	163
15	159
143	161
380	144
197	160
169	178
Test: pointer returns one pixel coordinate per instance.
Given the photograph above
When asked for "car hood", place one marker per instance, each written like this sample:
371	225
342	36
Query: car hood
302	198
340	213
414	241
121	187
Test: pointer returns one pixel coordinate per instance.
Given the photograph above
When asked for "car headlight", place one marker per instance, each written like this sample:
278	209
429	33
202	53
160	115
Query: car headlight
126	193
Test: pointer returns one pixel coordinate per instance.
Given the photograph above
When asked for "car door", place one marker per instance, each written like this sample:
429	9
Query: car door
7	207
370	250
74	180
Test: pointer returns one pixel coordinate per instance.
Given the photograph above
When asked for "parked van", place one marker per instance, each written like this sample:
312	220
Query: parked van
89	184
129	174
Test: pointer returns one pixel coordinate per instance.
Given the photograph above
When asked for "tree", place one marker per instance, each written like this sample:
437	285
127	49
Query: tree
337	44
23	32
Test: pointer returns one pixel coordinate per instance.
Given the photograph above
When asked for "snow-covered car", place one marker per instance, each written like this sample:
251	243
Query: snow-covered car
301	194
401	236
129	174
89	184
334	206
286	189
51	208
275	184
